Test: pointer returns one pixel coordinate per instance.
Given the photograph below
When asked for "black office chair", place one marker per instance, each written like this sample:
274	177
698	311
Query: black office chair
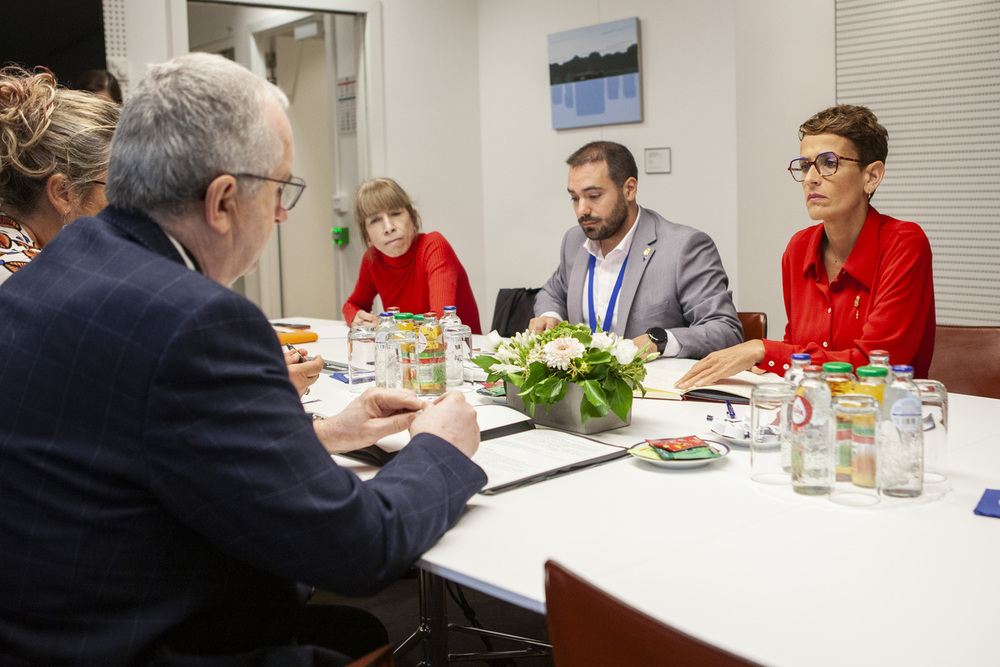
589	628
513	310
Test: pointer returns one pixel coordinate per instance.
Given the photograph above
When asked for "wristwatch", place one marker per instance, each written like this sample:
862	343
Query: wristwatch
659	336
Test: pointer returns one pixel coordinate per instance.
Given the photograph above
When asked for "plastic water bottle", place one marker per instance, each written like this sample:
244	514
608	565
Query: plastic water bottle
795	374
812	435
900	469
383	329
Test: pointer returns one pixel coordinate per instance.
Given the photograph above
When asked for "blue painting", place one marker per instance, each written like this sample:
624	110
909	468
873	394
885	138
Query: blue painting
594	75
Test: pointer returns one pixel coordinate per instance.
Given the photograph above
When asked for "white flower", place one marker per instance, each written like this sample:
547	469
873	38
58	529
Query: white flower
559	353
506	353
535	354
601	340
506	368
492	342
624	351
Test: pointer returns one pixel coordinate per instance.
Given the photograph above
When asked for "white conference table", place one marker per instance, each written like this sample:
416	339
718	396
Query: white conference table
775	577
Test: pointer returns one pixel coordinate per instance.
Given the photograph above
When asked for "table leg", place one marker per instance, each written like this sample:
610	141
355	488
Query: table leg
434	619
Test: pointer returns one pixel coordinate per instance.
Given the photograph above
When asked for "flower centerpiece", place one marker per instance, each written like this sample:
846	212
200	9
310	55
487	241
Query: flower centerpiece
605	367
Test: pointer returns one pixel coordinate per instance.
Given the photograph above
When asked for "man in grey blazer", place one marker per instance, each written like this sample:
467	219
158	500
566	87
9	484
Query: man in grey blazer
627	270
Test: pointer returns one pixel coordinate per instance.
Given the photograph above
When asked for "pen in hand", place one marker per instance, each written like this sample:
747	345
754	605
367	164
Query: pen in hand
291	347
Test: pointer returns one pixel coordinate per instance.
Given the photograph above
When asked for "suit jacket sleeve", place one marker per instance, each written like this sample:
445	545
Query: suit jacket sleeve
232	454
705	299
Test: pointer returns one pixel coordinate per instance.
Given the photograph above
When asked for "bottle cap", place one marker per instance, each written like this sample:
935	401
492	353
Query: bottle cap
902	368
801	356
813	368
837	367
872	372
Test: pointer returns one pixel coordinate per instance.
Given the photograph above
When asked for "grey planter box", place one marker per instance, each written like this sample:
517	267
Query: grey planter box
565	414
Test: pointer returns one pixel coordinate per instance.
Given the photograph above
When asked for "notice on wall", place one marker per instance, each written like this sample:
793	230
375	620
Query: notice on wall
347	104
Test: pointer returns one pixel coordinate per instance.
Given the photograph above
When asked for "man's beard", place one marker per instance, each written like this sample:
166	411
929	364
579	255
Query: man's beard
609	226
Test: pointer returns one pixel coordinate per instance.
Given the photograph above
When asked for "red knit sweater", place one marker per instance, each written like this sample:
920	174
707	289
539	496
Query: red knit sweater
427	278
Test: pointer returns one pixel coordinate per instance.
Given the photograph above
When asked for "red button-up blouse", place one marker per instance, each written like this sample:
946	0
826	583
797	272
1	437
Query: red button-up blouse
883	298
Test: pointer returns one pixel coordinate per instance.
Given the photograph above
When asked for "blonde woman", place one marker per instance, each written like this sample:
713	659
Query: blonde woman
417	272
54	147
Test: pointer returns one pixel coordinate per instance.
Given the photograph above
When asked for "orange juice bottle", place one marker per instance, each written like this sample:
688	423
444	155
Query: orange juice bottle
404	322
840	378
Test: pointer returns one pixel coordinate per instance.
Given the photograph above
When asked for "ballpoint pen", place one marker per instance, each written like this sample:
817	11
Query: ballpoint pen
730	411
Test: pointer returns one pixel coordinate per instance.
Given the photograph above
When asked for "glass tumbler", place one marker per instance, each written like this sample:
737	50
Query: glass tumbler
862	412
457	339
399	358
361	358
934	398
770	418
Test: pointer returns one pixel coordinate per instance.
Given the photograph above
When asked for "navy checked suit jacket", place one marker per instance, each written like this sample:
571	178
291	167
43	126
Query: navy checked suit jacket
161	487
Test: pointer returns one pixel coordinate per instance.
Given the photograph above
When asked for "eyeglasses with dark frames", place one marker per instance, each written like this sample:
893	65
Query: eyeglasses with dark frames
826	164
288	193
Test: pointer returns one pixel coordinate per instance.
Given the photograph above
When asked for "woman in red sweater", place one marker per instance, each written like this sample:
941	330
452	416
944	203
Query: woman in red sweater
416	272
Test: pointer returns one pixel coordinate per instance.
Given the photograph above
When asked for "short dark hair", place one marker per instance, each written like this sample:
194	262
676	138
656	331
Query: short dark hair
621	164
857	124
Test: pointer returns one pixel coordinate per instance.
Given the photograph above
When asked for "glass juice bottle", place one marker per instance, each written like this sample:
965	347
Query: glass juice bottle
840	379
432	374
404	322
871	382
799	361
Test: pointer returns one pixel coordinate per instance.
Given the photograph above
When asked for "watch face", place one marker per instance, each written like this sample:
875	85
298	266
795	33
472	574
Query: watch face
657	334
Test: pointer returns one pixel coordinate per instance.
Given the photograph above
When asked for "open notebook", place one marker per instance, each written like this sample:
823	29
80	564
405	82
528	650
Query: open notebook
663	373
512	452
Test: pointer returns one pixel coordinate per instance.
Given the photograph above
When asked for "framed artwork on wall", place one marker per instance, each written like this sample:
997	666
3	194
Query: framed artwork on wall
594	75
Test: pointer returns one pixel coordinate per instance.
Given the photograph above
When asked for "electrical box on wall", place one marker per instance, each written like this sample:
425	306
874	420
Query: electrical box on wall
341	235
658	160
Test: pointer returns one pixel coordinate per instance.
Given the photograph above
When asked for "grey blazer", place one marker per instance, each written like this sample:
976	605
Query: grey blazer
678	284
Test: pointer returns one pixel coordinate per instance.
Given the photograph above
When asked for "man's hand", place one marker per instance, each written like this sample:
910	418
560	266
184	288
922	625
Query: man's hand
371	416
722	364
543	323
450	418
302	373
363	317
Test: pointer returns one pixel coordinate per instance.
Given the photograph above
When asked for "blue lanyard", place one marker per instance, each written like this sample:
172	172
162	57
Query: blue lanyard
614	296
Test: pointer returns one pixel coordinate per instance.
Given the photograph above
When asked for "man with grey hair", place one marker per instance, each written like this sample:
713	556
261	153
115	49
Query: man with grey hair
162	488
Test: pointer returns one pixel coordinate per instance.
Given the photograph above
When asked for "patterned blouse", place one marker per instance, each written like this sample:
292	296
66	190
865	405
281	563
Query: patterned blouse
16	247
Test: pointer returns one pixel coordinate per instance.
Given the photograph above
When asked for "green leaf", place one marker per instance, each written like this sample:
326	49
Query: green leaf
619	396
594	393
550	390
484	361
588	410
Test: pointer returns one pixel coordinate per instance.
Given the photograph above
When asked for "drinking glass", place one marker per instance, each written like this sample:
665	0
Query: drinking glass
770	418
862	412
934	398
361	358
457	339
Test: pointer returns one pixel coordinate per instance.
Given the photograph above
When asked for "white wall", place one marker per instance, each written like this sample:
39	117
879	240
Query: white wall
776	92
432	119
688	88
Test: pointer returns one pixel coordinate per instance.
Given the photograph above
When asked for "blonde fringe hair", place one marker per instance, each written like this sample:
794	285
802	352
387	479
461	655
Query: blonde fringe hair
45	130
378	195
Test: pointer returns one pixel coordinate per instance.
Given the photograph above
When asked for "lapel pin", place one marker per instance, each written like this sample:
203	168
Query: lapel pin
645	253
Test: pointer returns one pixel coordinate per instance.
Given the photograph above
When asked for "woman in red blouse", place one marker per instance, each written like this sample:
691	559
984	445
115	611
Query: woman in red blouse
858	281
416	272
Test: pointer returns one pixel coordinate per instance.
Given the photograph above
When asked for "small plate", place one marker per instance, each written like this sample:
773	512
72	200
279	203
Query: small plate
721	448
736	442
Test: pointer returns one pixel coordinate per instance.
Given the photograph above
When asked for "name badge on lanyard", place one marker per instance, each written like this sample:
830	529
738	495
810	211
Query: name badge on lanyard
606	326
